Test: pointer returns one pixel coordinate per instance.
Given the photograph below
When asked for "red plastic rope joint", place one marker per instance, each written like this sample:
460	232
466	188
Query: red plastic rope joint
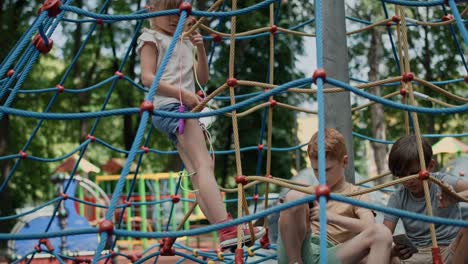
216	38
146	105
423	175
319	73
41	46
466	78
403	92
60	88
408	77
23	155
241	179
175	198
185	6
273	29
322	190
232	82
92	138
106	226
260	147
99	21
396	19
64	196
166	247
145	149
273	103
10	73
120	74
52	7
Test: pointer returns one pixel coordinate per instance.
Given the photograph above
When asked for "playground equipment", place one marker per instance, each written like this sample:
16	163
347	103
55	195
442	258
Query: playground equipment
154	207
14	71
67	217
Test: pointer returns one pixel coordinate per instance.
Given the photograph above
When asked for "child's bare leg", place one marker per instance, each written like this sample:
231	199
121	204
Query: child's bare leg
294	227
194	154
459	246
375	242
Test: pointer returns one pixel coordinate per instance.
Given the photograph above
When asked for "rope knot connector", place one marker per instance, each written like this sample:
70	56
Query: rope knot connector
273	29
60	88
106	226
23	155
273	103
260	147
466	78
216	38
408	77
10	73
322	190
52	7
423	175
120	74
232	82
147	106
166	247
241	179
319	73
64	196
91	138
175	198
396	19
185	6
145	149
41	45
403	92
255	197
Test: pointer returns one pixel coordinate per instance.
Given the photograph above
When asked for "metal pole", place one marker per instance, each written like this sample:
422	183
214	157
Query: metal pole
335	61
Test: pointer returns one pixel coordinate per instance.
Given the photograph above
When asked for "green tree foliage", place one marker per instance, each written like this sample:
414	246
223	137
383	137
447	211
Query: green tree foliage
433	57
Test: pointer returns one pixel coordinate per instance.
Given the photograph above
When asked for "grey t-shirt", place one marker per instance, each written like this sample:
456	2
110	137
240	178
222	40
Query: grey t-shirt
416	230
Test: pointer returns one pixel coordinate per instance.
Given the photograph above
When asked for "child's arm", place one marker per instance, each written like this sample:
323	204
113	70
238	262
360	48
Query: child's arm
202	63
149	57
355	225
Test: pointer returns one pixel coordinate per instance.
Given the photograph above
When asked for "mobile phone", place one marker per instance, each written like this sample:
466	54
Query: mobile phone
402	239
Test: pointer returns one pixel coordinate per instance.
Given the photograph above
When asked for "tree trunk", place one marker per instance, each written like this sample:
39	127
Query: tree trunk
377	110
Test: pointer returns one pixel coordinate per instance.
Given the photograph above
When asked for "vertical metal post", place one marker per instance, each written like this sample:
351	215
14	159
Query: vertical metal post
335	61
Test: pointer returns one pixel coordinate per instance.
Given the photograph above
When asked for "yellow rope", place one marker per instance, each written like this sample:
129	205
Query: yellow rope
417	129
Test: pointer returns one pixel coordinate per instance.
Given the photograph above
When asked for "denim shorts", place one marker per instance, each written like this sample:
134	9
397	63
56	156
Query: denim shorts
168	125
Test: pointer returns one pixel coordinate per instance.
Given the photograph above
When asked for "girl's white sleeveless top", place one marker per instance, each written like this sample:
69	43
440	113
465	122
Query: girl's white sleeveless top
179	69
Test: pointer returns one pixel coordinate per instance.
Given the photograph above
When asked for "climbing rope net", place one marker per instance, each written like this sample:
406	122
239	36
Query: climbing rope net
52	14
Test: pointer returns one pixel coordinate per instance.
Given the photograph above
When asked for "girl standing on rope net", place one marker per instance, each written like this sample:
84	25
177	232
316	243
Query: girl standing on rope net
176	93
